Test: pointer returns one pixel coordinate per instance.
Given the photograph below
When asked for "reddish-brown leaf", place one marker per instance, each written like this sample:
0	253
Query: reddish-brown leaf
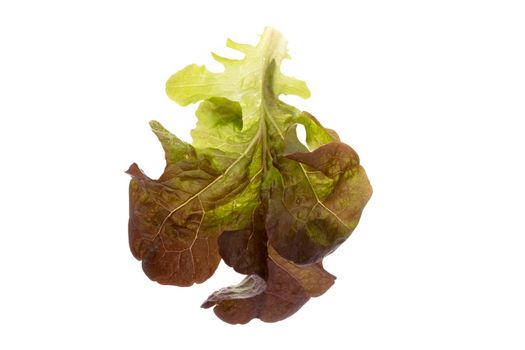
245	250
318	202
174	248
287	289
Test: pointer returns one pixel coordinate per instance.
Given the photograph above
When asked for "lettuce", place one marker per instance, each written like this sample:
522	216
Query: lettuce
247	190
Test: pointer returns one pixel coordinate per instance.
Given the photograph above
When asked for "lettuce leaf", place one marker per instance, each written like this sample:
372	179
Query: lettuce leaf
246	190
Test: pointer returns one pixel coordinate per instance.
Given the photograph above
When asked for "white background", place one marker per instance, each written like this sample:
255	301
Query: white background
430	93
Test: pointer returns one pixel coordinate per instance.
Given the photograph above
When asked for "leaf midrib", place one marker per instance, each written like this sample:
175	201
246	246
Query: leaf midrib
258	136
262	134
